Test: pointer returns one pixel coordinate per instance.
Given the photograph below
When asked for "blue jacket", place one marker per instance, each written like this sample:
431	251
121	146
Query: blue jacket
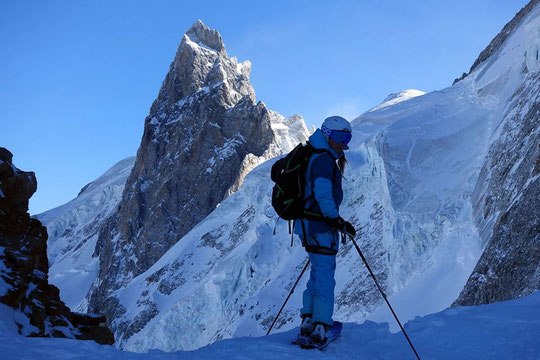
323	179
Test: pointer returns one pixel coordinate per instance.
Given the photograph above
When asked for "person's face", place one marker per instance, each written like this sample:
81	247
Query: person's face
338	147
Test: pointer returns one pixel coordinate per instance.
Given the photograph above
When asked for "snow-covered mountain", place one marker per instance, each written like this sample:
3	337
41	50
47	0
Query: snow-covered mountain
73	231
204	133
506	197
424	175
409	186
396	98
410	195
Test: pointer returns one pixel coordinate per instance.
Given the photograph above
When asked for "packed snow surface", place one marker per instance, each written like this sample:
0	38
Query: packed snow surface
506	330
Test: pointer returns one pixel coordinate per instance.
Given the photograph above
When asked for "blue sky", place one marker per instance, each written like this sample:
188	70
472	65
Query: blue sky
77	78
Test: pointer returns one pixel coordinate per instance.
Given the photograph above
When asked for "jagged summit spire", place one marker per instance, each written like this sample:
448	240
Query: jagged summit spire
202	61
202	35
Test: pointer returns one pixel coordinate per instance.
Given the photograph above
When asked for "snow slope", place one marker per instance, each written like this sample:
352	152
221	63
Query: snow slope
73	231
506	330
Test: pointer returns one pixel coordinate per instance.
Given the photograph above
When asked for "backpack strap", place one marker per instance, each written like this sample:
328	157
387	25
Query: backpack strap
292	231
304	239
321	250
318	249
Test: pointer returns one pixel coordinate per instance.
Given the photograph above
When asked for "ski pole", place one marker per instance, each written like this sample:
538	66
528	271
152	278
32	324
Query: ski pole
383	295
290	293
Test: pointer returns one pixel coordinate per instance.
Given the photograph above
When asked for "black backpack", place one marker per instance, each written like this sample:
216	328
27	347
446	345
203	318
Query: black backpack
288	173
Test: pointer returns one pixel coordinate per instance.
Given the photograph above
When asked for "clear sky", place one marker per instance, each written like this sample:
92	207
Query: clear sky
77	78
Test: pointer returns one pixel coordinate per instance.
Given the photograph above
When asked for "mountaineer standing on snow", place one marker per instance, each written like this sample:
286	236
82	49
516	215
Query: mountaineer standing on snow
321	237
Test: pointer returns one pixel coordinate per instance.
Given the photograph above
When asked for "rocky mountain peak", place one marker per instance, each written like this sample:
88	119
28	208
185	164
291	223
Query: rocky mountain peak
201	64
203	36
204	133
16	188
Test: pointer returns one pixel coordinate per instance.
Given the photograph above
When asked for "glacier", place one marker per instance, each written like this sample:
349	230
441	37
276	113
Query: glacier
72	230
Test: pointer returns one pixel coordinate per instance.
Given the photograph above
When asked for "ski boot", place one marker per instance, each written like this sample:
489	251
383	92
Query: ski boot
318	335
305	328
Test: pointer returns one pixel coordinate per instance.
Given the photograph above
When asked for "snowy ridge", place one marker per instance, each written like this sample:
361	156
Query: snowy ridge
396	98
507	193
507	330
73	230
385	113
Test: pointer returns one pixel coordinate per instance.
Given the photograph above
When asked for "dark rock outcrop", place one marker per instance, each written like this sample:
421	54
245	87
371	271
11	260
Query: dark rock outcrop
24	266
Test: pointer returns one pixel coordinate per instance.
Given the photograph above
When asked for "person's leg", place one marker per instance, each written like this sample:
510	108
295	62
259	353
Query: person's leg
309	293
323	299
323	268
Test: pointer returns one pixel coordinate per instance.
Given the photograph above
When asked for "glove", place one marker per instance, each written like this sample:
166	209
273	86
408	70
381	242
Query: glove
349	229
338	224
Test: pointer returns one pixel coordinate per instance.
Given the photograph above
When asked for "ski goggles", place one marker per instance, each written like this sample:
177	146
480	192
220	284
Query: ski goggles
338	136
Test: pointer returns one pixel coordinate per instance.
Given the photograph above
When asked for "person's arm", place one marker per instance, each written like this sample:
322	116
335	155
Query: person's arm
322	170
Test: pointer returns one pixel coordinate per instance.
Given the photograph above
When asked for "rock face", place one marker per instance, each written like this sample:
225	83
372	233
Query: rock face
24	267
507	196
203	134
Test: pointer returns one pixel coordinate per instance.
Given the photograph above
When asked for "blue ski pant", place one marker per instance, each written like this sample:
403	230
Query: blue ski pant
318	298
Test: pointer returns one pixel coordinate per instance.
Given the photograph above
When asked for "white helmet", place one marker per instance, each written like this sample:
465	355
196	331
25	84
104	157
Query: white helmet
337	123
338	129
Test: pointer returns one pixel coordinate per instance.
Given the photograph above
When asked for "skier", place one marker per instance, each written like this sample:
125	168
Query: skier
321	238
